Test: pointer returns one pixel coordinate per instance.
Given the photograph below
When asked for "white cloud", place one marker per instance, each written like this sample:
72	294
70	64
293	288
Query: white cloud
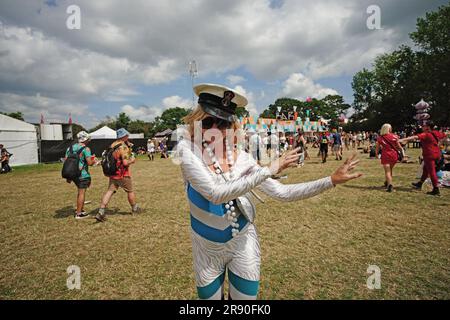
251	106
125	46
144	113
176	101
148	113
235	79
156	38
120	94
53	110
299	87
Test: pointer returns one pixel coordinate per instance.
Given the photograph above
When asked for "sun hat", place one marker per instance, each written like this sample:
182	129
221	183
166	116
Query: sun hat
83	136
122	133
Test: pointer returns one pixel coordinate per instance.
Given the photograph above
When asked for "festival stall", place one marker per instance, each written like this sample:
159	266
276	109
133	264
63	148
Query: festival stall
104	132
287	126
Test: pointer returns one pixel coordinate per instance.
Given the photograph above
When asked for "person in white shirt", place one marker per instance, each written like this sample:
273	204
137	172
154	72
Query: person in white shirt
150	150
256	143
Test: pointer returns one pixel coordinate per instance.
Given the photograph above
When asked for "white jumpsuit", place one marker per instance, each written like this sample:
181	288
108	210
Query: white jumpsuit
214	248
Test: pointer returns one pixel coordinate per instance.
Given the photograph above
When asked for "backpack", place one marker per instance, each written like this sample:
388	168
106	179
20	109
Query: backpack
71	169
109	163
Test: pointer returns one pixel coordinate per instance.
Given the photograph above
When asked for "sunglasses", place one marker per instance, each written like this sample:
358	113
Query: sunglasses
221	124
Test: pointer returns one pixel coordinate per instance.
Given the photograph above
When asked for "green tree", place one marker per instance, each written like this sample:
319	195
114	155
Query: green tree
363	90
432	36
16	115
242	112
76	128
122	121
400	78
328	108
139	126
169	119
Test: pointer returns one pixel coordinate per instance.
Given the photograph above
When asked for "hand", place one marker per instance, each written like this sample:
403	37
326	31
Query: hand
289	159
342	174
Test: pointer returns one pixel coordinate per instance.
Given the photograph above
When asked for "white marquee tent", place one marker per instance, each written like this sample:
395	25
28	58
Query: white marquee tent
104	133
20	139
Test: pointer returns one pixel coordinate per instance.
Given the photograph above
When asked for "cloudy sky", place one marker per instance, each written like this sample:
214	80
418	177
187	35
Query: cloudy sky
134	55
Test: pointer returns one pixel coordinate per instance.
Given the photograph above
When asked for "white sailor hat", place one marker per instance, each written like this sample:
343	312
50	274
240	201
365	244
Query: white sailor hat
219	101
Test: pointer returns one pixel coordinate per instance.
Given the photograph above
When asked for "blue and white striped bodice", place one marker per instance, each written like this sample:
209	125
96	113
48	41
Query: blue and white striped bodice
210	220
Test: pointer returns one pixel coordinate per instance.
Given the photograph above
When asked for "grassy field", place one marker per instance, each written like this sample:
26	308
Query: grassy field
318	248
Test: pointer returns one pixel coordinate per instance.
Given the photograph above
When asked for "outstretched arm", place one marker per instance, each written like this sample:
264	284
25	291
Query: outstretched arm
299	191
197	173
409	139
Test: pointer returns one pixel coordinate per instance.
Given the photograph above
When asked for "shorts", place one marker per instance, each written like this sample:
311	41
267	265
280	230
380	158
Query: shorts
323	149
124	183
82	183
336	147
241	255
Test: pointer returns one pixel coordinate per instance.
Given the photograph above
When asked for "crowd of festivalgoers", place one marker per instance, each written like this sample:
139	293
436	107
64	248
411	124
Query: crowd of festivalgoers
388	146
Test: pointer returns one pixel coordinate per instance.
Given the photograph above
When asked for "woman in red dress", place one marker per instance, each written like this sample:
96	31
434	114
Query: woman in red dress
389	145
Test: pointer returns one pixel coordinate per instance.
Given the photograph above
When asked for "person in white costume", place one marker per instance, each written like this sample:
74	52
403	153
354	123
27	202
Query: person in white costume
219	182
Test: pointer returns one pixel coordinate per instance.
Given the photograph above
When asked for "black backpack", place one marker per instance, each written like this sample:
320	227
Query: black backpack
109	163
71	169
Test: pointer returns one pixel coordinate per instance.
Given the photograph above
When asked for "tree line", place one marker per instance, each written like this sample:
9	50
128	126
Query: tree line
399	79
169	119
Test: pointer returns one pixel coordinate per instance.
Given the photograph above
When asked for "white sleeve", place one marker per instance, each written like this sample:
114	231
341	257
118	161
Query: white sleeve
293	192
290	192
199	176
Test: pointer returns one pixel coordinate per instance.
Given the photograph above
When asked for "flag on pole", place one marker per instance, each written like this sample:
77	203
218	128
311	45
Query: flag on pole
70	118
42	118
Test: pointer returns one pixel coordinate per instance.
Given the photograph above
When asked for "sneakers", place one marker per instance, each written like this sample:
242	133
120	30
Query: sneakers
417	185
136	210
390	188
434	192
100	217
81	215
385	184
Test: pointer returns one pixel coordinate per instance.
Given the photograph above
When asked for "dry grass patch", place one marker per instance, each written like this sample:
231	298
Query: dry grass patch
319	248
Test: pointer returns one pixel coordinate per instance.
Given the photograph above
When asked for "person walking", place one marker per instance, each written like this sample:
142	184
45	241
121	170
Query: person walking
86	159
150	150
431	153
122	179
300	143
256	146
323	150
337	144
389	145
